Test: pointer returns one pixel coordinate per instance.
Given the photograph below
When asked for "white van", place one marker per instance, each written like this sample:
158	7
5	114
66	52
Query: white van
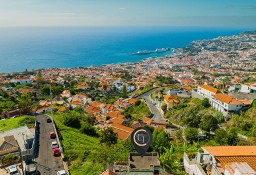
62	172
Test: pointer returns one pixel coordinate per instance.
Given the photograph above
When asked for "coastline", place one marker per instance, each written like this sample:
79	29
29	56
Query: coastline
74	60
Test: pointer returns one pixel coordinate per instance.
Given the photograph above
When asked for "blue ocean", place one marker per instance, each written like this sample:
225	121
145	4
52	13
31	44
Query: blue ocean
66	47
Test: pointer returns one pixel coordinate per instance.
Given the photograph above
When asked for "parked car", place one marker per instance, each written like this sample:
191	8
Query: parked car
61	172
31	169
49	120
52	135
56	152
54	145
13	169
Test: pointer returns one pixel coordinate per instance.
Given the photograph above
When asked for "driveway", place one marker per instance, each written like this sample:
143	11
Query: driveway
47	164
156	113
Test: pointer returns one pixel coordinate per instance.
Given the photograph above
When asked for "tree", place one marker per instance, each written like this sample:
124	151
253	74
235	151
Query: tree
57	89
221	136
209	123
137	103
205	103
105	87
193	120
232	136
160	141
178	137
124	91
169	160
219	116
45	90
79	109
72	119
191	134
88	130
108	136
24	103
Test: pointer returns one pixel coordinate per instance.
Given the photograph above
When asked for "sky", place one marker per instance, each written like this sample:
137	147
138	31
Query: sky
215	13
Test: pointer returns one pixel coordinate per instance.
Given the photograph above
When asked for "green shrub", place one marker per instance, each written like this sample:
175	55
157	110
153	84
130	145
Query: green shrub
88	130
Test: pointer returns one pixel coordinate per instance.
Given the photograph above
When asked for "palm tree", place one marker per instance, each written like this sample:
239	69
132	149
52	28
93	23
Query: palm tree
169	160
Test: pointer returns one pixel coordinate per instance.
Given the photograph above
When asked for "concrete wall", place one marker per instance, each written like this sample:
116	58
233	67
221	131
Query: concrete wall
194	94
245	88
205	93
192	167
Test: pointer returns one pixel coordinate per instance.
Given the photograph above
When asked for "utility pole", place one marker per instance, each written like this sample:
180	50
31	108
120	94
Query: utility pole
51	100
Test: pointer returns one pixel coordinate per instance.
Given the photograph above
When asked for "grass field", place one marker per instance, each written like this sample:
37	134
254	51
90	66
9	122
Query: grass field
137	112
77	147
12	123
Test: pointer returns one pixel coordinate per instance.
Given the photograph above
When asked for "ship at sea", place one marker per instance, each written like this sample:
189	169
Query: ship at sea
144	52
162	50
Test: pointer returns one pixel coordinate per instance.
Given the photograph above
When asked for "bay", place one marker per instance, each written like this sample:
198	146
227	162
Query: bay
66	47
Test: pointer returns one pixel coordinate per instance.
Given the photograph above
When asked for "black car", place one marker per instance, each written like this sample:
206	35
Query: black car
49	120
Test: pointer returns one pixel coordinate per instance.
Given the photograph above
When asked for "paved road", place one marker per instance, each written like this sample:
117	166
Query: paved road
47	164
156	113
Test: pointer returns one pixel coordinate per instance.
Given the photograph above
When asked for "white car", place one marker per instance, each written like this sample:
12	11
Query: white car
13	169
61	172
54	145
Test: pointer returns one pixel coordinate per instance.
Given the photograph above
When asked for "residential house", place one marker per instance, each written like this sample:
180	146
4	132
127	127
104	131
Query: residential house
207	91
93	110
21	80
108	108
148	164
125	103
28	91
123	132
225	103
222	160
239	168
141	122
81	98
65	94
171	100
11	113
24	138
42	109
249	88
221	102
108	172
8	145
75	104
45	102
82	86
62	109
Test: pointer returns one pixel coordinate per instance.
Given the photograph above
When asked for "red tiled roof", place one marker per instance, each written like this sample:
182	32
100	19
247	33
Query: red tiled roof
226	98
209	88
109	107
117	120
171	99
108	172
114	114
93	110
62	109
146	120
123	132
96	104
231	150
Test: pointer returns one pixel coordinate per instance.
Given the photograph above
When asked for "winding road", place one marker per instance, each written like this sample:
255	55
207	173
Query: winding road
154	110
